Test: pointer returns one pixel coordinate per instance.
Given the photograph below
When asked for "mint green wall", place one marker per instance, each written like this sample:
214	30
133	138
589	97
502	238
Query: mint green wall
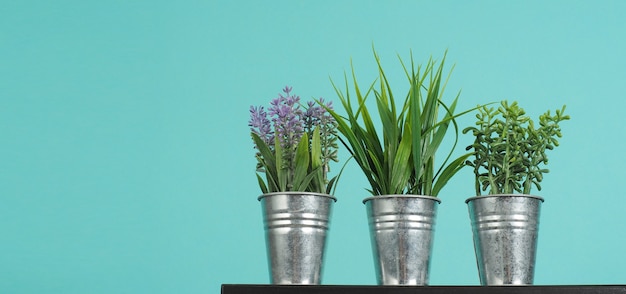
126	164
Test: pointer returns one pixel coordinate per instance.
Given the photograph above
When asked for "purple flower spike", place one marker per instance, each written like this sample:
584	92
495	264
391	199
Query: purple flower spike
259	124
287	119
285	123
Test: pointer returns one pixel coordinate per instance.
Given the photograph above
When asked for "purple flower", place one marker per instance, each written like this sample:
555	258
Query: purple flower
285	123
287	119
316	115
260	125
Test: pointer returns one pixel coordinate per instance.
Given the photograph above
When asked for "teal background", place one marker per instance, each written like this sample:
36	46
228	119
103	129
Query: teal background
126	164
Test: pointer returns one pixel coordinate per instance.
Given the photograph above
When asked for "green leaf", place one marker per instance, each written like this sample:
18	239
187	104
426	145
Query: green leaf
390	133
262	184
319	181
401	170
268	161
363	113
302	161
316	149
265	151
440	131
330	186
355	136
415	111
307	180
448	172
379	179
281	173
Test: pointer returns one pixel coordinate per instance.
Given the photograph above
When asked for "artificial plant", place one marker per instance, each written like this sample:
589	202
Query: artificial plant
295	144
509	150
400	159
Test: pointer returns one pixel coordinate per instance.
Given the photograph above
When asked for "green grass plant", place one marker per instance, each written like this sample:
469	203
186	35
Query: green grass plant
400	159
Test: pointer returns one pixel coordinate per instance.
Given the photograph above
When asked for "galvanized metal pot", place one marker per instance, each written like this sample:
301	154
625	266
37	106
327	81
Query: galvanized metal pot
401	230
505	229
295	234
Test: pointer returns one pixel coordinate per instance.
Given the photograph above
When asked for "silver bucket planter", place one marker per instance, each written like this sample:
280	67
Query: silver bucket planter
295	234
401	230
505	229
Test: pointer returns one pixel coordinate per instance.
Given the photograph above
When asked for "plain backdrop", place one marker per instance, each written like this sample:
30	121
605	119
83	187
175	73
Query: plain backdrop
126	164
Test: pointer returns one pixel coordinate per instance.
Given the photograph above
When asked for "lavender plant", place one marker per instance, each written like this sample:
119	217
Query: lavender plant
509	151
295	144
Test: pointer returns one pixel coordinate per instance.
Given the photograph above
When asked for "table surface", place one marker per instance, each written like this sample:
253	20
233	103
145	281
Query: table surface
348	289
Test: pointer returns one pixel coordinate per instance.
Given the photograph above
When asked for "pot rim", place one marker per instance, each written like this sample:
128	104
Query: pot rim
505	195
401	196
296	193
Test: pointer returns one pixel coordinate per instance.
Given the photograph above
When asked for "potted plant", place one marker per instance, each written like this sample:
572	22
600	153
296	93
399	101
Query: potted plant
509	152
400	165
295	144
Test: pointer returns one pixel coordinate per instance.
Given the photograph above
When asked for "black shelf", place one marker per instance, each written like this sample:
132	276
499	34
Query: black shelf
337	289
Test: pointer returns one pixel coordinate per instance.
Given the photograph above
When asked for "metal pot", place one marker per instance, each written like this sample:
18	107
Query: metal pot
295	234
401	230
505	229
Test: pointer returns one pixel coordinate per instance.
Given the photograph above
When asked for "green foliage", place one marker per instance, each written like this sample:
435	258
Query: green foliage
509	150
401	159
306	173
